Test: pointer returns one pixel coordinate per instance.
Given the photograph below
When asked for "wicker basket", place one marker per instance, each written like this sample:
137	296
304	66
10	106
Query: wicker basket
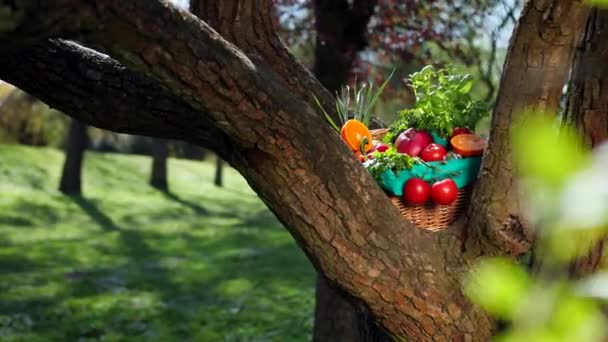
430	216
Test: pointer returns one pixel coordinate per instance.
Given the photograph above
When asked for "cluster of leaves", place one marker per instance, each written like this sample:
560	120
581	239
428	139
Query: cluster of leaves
359	106
388	160
443	102
567	200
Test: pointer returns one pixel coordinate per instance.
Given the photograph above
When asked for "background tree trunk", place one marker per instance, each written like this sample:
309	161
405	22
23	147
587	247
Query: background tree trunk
76	144
218	180
587	106
341	34
158	175
341	29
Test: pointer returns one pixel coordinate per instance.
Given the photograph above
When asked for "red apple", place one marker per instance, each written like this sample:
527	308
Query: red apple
433	152
412	142
380	147
460	130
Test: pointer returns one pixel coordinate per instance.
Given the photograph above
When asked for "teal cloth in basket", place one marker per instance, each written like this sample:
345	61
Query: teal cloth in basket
437	139
467	169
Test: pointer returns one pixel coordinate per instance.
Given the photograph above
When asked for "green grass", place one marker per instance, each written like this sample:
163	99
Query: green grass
129	263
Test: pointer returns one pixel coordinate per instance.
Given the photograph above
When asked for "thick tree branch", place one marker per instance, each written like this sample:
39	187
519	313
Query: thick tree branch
536	70
249	25
297	165
587	109
95	88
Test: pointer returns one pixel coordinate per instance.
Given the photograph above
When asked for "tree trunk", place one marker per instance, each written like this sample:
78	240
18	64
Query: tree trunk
587	108
254	100
158	175
218	180
536	69
341	34
72	167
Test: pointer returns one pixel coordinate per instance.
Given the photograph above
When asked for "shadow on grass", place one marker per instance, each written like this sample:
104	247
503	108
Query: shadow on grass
138	252
202	282
94	213
197	208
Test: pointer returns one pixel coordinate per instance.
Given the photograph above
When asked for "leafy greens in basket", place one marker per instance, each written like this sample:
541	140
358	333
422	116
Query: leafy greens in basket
443	102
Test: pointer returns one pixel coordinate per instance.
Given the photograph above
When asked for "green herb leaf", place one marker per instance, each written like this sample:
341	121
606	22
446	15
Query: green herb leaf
388	160
443	102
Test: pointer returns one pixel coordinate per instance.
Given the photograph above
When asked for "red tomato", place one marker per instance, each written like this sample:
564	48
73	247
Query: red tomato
460	130
380	147
433	152
416	191
444	192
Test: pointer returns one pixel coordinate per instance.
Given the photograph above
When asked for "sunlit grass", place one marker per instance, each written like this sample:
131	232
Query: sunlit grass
129	263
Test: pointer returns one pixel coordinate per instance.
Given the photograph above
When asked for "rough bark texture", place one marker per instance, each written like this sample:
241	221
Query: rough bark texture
410	279
249	25
158	174
218	179
587	108
86	84
536	69
76	144
341	30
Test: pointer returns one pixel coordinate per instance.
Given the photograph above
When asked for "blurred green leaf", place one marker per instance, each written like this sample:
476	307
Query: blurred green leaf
597	3
498	285
568	244
539	335
545	152
578	319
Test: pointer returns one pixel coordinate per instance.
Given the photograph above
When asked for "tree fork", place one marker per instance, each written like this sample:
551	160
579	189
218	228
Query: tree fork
536	69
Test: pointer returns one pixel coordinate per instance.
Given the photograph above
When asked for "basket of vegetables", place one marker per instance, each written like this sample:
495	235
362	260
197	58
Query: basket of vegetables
427	160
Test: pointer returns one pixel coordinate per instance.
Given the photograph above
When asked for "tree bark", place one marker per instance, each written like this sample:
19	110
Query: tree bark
341	34
536	69
587	107
76	144
218	180
99	90
408	278
158	175
345	33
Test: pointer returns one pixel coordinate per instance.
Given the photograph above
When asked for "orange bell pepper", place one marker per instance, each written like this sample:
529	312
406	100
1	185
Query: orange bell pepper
354	133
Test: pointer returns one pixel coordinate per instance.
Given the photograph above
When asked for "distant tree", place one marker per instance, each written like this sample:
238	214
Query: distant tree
76	144
22	118
158	174
218	180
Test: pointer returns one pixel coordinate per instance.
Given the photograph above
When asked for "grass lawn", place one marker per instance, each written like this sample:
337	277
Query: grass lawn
129	263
